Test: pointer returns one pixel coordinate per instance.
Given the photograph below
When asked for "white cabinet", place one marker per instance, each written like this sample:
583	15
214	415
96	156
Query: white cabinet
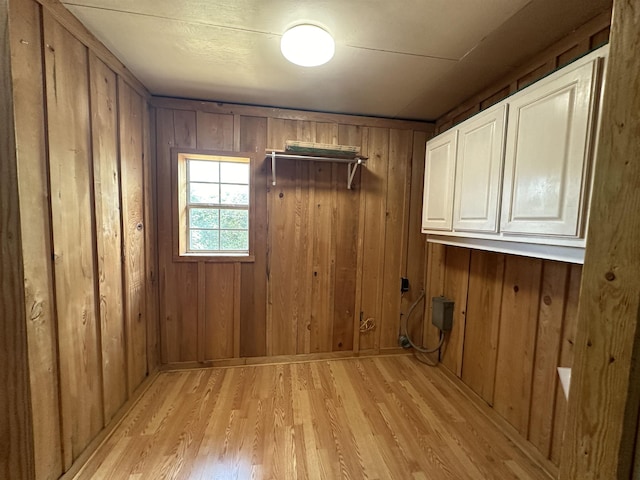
479	171
516	178
437	207
547	154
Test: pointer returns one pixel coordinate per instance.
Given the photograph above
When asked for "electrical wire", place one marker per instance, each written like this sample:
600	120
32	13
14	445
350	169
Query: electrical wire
404	330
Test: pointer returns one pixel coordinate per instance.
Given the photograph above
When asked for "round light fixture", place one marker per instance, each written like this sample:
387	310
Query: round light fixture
307	45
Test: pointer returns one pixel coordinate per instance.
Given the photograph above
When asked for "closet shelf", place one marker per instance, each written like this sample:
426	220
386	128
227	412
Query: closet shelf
352	163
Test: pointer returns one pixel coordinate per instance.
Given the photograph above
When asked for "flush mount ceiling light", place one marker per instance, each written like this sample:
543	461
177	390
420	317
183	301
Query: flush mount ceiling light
307	45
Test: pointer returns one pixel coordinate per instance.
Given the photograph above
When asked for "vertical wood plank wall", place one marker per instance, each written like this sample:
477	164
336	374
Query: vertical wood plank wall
323	253
82	131
515	317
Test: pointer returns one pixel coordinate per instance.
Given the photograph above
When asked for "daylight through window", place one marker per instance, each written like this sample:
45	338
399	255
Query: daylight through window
216	203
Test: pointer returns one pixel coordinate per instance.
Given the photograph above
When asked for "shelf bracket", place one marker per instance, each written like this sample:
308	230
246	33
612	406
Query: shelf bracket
273	168
351	172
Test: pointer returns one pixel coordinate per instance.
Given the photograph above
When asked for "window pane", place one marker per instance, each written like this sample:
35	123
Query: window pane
234	194
204	193
234	172
234	240
204	218
204	240
234	219
201	171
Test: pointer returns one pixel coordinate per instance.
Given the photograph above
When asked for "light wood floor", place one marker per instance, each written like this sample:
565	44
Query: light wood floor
374	418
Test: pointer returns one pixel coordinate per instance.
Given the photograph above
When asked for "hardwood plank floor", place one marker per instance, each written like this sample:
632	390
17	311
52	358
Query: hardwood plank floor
369	418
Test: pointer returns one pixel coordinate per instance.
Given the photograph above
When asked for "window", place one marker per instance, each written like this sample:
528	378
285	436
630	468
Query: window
214	204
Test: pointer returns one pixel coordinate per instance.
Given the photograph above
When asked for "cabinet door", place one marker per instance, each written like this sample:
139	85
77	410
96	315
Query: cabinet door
439	171
547	153
479	171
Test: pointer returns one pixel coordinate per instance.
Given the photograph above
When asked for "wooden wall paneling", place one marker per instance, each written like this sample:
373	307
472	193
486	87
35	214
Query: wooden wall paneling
237	272
456	285
219	310
416	258
202	313
358	321
555	281
253	284
569	326
323	276
287	114
305	236
131	110
16	434
106	181
434	287
517	340
374	186
165	139
486	277
600	38
67	96
285	284
33	185
151	239
214	131
346	219
395	258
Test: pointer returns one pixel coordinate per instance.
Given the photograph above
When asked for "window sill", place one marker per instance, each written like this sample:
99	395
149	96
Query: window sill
206	258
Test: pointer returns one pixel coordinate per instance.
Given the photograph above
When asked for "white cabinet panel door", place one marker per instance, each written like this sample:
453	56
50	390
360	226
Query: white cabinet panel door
479	171
439	172
547	154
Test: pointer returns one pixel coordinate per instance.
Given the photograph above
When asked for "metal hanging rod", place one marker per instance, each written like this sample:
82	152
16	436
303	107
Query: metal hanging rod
352	163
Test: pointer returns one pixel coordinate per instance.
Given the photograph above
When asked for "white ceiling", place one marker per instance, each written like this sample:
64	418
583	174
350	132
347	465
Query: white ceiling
412	59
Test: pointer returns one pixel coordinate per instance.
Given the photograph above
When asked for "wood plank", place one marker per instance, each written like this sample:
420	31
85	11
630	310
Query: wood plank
416	258
398	185
69	134
306	235
285	297
106	181
346	219
323	247
165	139
16	440
456	285
516	342
202	315
219	310
555	281
151	239
482	322
568	340
253	286
604	400
237	298
33	185
131	112
374	184
214	131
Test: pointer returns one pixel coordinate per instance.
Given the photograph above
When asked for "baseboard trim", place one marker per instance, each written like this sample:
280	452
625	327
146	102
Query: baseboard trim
279	359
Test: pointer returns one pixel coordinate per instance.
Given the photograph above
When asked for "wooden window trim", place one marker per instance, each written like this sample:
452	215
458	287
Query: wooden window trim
178	207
